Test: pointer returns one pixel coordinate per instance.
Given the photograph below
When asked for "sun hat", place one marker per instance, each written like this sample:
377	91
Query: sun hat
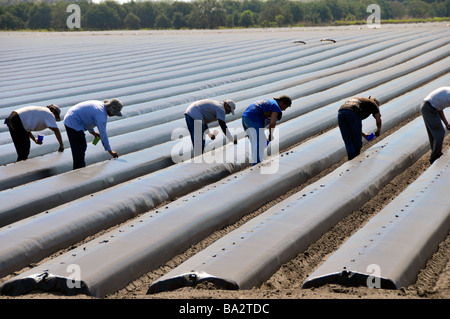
114	106
231	104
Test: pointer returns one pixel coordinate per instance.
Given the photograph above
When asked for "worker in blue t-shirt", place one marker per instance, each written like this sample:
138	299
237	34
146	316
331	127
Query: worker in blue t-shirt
260	115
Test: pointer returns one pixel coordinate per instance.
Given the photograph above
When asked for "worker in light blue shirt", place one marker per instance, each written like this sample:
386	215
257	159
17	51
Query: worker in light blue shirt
260	115
85	116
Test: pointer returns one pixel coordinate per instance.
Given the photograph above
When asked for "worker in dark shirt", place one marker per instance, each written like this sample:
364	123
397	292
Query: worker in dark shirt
350	116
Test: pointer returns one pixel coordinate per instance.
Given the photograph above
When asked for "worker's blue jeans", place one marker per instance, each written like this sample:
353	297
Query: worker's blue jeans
258	140
197	132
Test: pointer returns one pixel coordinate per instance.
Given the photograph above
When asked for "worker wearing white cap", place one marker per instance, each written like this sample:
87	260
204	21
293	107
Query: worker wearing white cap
204	112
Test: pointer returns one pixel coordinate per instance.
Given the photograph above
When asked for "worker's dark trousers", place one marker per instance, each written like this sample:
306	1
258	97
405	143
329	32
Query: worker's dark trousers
78	145
19	135
197	130
350	125
435	130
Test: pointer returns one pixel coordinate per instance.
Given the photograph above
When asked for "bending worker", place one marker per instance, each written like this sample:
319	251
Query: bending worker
23	121
433	115
200	113
85	116
350	116
260	115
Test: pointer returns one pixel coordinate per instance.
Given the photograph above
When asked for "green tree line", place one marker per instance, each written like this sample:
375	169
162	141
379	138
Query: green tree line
207	14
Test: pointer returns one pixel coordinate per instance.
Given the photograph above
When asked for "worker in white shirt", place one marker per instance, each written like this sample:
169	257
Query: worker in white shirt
23	121
433	115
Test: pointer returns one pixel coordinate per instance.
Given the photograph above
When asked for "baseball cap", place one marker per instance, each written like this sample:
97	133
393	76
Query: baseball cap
231	104
56	111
